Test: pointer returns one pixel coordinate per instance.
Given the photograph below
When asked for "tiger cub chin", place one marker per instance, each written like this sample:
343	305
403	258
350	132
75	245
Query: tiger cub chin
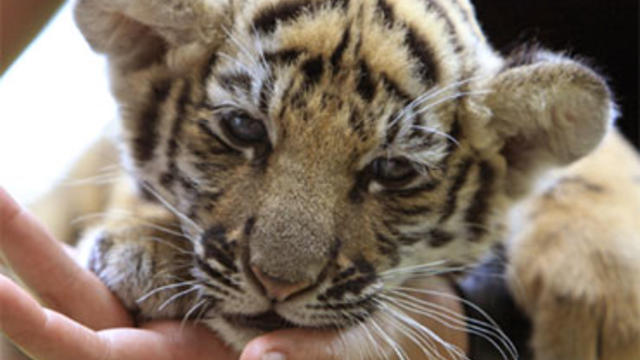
298	163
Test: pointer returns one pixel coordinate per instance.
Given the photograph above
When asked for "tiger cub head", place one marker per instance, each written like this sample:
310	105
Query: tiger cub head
319	150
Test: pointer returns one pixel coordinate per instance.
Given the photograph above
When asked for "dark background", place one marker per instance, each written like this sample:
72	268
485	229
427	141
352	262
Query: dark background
603	31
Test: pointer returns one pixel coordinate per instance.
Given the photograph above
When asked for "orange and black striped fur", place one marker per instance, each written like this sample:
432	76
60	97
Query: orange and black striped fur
297	162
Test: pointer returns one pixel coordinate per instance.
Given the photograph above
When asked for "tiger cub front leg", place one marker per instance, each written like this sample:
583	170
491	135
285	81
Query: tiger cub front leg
575	261
139	252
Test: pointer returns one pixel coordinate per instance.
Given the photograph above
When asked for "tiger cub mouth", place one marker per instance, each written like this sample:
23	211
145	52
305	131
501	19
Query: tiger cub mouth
266	321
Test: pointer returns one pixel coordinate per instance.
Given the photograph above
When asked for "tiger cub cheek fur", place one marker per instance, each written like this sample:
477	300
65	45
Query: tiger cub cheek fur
276	131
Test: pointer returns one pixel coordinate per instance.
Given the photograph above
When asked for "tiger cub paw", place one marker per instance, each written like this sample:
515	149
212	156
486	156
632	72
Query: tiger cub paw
580	284
146	268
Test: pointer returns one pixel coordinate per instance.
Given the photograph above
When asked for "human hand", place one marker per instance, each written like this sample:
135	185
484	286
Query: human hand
83	319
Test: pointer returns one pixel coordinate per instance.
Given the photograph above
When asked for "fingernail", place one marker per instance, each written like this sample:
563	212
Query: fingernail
273	356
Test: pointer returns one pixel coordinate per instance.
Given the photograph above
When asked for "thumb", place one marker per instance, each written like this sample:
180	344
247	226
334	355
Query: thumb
295	344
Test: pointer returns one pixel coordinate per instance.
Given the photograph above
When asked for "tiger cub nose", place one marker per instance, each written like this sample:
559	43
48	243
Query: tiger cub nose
277	289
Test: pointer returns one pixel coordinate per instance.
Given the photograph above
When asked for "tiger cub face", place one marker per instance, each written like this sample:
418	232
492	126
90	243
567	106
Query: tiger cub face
316	148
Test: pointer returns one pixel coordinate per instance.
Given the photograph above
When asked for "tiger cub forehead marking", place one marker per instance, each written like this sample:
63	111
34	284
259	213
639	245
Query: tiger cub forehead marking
355	63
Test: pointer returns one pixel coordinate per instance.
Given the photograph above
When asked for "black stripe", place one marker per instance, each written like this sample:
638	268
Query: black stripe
453	38
216	288
385	240
215	274
217	246
176	129
361	304
409	239
209	167
363	266
354	286
336	56
357	125
344	274
218	147
388	248
146	133
285	56
415	191
211	198
476	214
387	12
442	13
173	173
207	201
211	303
211	195
452	196
456	129
266	91
417	132
209	65
439	238
167	179
394	89
390	226
420	49
287	11
465	15
215	253
268	18
248	226
336	246
355	195
236	80
169	176
456	133
410	210
187	184
312	69
343	4
284	101
392	131
366	87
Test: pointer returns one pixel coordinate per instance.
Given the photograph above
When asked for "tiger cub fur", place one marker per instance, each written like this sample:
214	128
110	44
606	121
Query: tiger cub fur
294	163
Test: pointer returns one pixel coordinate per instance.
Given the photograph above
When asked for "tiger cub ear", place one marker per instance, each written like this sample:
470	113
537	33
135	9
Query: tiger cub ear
136	33
548	110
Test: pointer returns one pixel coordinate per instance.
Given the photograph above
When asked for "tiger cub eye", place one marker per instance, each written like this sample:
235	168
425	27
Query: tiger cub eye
392	172
244	129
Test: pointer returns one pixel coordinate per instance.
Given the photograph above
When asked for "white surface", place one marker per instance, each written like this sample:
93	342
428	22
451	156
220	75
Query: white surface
54	101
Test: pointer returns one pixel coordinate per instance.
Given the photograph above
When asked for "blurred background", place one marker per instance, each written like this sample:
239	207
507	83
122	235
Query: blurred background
54	97
54	101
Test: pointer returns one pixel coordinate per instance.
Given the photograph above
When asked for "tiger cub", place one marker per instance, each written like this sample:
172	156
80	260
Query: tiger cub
295	163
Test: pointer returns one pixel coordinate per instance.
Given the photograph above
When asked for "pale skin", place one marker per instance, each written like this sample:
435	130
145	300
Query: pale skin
78	317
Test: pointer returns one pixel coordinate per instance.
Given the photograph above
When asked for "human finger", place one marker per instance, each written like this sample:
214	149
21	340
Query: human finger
47	335
192	341
44	266
296	344
41	333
